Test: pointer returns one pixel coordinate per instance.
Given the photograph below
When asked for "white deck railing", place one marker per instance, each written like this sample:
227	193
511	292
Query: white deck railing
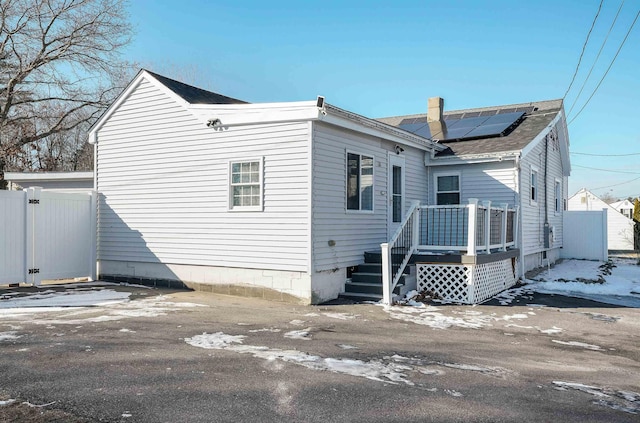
470	229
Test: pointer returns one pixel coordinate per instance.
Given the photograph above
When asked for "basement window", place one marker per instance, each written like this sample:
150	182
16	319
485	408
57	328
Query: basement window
245	185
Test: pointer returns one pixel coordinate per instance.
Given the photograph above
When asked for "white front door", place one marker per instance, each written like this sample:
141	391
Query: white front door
396	193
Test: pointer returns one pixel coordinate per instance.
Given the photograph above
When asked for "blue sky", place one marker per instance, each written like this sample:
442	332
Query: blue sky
381	58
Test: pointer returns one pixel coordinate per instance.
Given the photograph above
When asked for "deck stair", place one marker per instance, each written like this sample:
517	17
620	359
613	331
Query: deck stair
366	281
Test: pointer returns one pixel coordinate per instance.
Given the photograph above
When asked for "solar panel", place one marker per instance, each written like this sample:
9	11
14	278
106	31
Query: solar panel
468	122
457	133
421	129
468	125
504	118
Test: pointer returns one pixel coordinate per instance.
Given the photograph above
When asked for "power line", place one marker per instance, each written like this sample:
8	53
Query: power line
605	155
584	47
621	183
596	59
607	170
608	69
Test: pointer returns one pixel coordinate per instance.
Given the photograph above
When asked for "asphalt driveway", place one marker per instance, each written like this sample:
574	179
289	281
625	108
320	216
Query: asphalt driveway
132	354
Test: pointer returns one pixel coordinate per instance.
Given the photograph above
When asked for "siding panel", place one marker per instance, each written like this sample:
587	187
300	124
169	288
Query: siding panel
354	232
163	183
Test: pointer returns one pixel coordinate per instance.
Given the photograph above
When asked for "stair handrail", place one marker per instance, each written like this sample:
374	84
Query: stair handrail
390	277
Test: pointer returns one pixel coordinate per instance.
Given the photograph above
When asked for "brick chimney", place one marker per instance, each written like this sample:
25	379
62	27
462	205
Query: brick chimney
437	126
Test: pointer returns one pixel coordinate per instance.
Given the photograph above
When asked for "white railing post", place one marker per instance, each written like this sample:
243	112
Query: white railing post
386	273
505	215
415	236
472	223
516	226
487	225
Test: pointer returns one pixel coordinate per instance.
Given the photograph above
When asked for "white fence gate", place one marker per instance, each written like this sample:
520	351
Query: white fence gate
584	235
46	235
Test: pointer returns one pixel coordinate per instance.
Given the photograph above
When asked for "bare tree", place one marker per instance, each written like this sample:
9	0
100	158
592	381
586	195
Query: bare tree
608	198
60	68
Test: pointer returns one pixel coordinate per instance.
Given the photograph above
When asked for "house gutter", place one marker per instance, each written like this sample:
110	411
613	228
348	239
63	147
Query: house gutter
316	111
431	160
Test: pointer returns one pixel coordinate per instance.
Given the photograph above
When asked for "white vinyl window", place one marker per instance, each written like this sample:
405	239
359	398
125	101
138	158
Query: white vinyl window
245	185
447	189
359	182
558	196
533	196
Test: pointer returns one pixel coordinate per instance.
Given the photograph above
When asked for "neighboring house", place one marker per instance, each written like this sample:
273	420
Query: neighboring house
528	165
625	207
51	181
619	226
282	200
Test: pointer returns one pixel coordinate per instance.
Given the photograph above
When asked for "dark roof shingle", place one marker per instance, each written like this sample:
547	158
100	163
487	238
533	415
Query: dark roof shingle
538	116
195	95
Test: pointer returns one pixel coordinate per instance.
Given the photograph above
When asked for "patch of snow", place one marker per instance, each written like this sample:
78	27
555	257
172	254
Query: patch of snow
347	347
593	390
579	344
429	316
618	287
6	336
274	330
507	297
125	330
297	322
377	370
7	402
299	334
554	330
312	315
98	306
453	393
340	316
626	401
70	298
515	316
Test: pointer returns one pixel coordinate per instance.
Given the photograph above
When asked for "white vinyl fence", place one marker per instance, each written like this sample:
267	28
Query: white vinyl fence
584	235
46	235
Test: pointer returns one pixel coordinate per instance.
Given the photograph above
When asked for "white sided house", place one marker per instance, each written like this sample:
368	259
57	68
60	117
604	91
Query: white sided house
270	200
527	165
619	227
283	200
624	206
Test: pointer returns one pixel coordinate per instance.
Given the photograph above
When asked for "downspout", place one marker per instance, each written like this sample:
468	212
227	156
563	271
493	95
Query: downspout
520	210
547	240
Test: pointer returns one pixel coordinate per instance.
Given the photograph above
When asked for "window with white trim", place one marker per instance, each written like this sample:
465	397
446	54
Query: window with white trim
359	182
447	189
245	185
533	196
558	195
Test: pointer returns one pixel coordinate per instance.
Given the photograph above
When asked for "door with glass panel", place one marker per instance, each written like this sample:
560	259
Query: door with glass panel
396	193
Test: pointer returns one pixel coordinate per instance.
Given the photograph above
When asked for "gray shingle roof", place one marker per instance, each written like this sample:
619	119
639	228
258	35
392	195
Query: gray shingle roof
193	94
539	115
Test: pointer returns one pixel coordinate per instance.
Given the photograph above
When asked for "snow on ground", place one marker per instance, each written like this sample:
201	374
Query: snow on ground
621	287
579	345
626	401
390	369
79	306
299	334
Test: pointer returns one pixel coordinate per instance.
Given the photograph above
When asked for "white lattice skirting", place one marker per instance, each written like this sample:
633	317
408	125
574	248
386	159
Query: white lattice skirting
466	283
